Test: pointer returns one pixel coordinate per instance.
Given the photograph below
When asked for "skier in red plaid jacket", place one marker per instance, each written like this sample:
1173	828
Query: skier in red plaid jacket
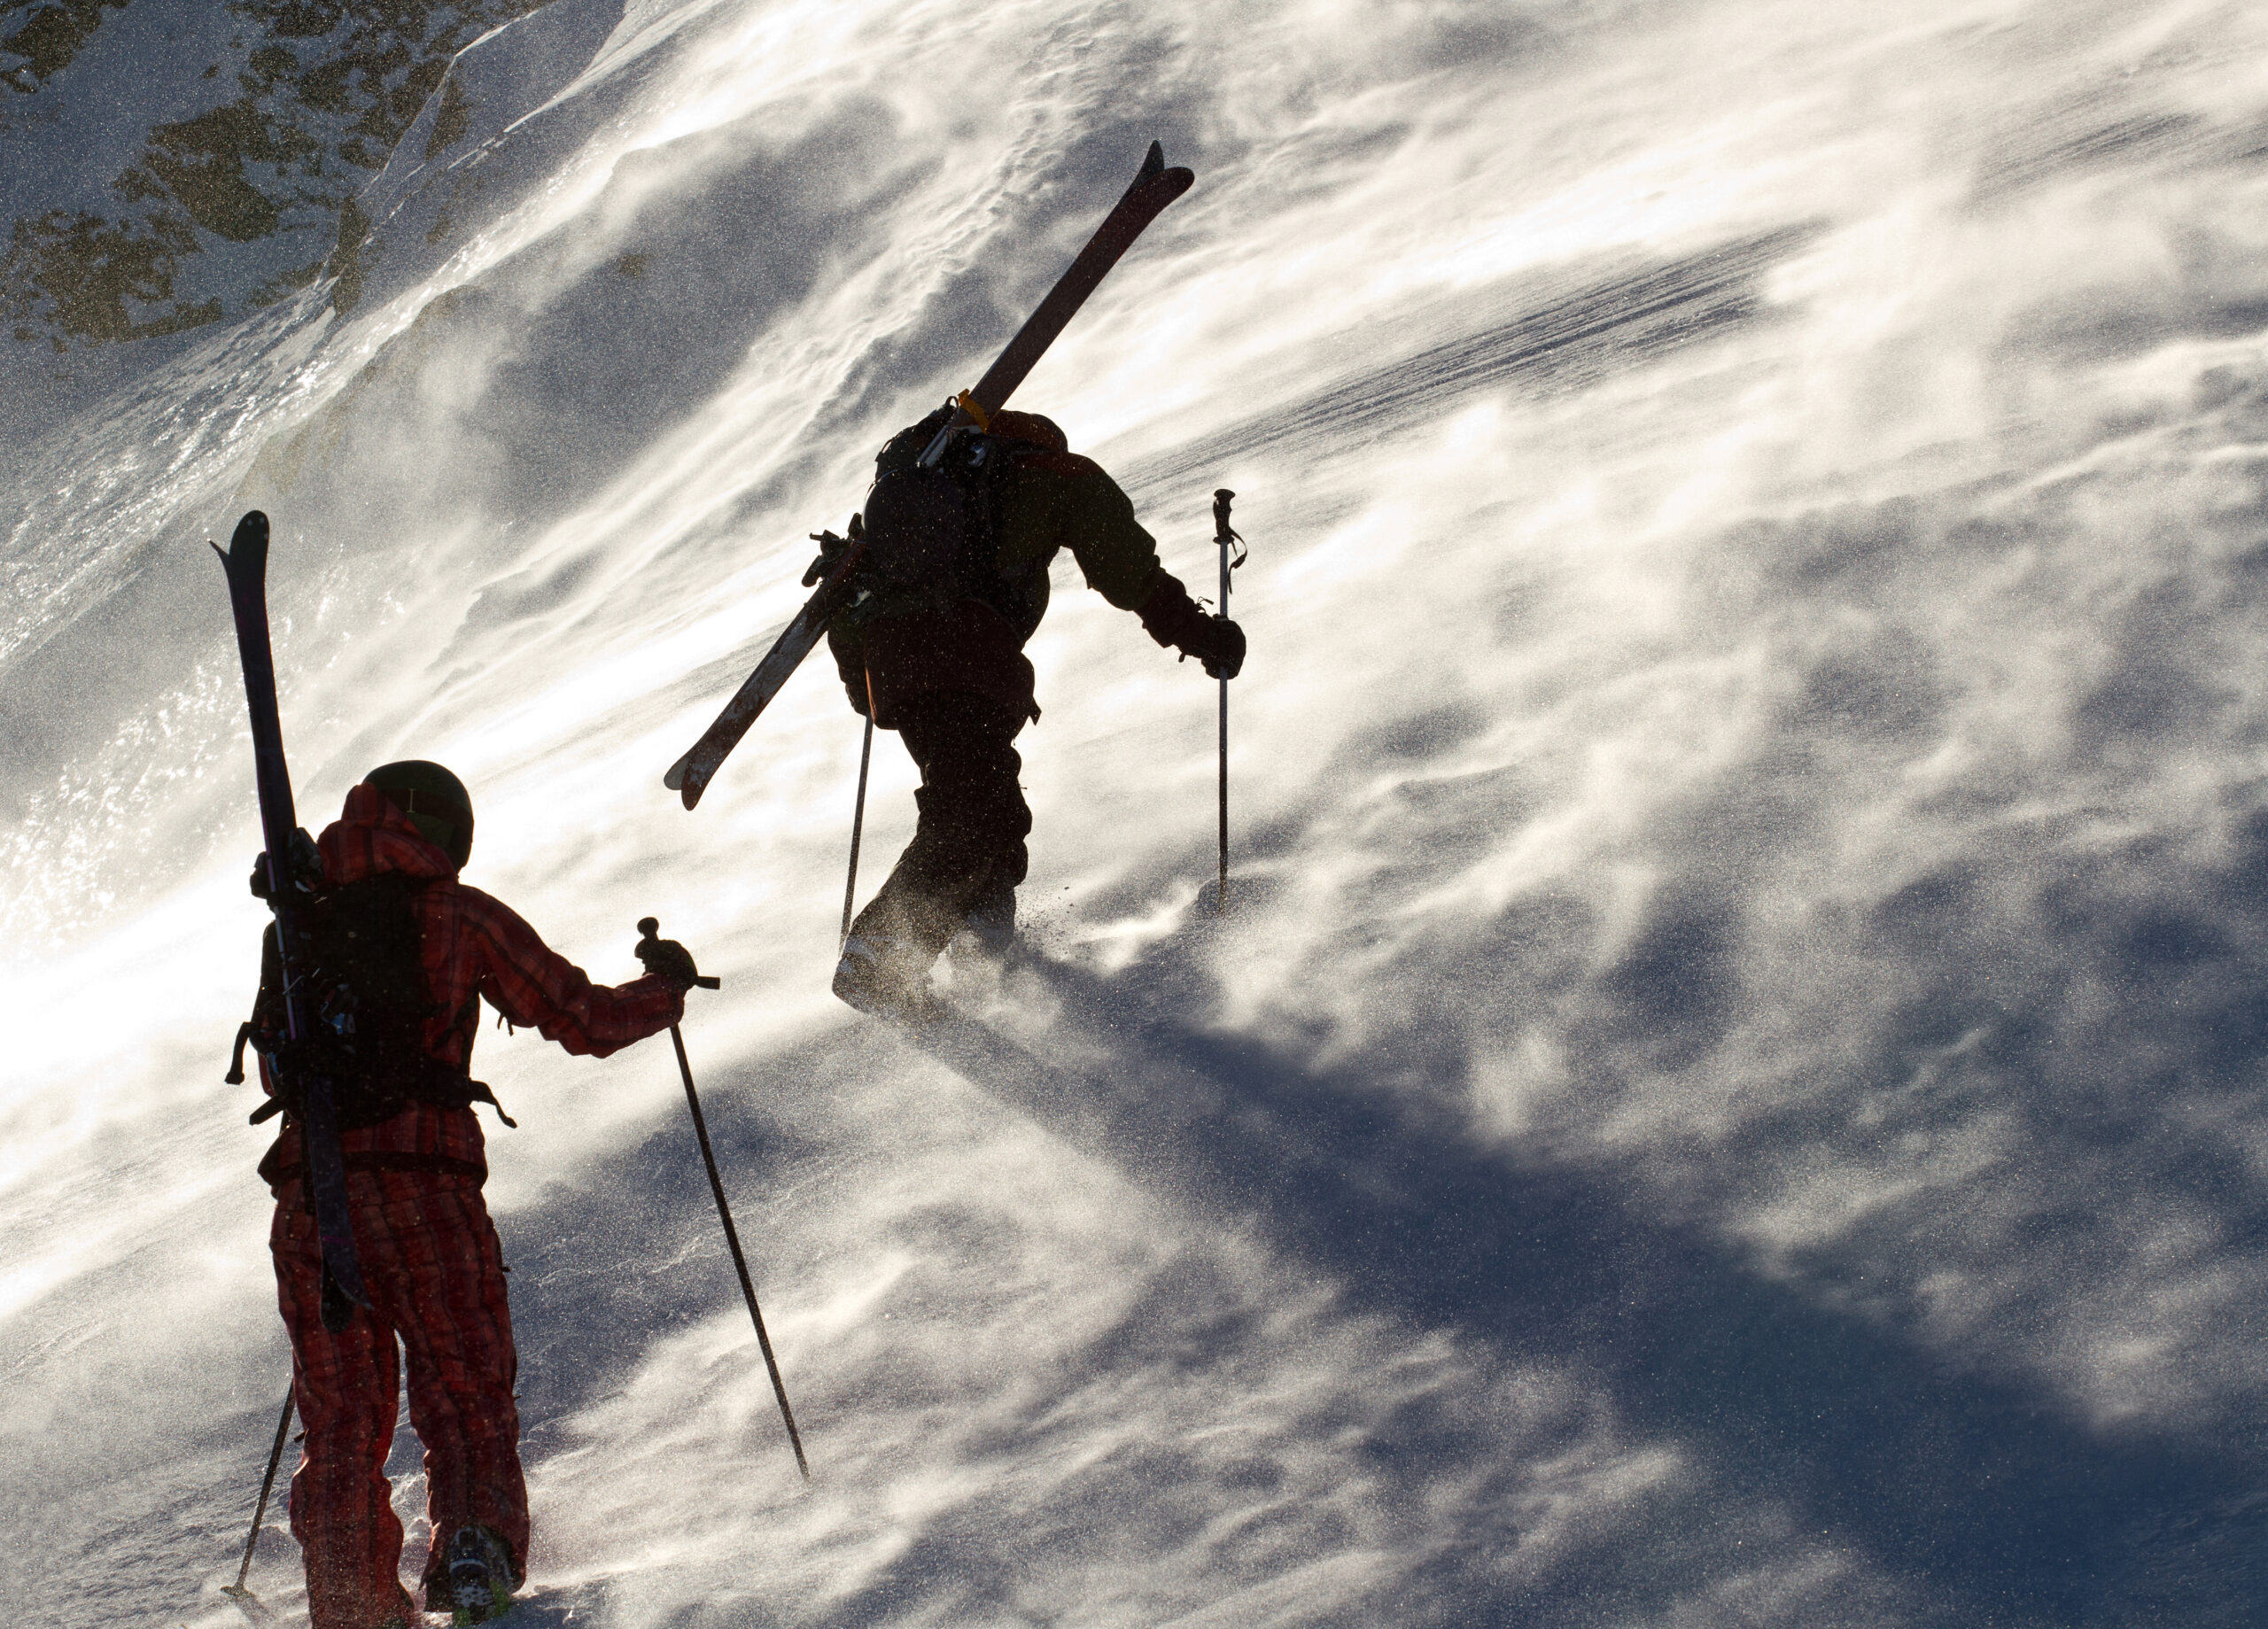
428	1252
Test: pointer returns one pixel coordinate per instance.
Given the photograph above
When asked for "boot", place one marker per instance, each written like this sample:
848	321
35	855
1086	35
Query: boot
479	1584
885	977
989	927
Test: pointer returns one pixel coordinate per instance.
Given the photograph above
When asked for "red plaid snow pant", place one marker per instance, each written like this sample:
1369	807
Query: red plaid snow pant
435	1274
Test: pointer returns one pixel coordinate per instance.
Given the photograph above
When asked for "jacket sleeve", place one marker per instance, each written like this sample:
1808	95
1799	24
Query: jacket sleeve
531	984
1067	500
847	646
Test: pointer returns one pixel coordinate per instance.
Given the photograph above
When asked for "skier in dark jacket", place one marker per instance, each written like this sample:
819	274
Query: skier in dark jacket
415	1164
933	648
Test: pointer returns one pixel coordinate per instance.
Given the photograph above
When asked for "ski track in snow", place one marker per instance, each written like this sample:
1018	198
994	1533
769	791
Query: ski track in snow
1728	1089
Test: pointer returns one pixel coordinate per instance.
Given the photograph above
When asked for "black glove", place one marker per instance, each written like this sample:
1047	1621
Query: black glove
1174	621
306	864
668	961
1221	648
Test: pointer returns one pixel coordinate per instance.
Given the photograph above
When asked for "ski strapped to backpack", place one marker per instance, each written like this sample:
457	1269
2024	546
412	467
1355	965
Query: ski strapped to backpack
1153	188
245	561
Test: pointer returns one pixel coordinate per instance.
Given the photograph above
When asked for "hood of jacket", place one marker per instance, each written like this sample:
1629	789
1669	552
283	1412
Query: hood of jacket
371	836
1036	428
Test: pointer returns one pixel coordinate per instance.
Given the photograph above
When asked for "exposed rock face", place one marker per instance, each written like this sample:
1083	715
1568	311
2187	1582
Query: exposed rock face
296	102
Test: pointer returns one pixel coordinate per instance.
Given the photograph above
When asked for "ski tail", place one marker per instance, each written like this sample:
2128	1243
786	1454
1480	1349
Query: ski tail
690	775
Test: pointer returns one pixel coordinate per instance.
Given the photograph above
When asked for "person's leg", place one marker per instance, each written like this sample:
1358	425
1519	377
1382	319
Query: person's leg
969	840
345	1388
457	1339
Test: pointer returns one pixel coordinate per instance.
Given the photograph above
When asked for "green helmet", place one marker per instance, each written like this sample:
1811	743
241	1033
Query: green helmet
435	800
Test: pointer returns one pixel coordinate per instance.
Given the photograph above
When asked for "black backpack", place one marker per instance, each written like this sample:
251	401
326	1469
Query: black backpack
364	1003
932	534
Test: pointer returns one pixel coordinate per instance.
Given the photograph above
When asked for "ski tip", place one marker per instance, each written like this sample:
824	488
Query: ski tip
1155	177
248	544
675	779
1156	186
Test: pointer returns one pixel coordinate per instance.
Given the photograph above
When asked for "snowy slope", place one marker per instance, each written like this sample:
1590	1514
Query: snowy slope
1729	1090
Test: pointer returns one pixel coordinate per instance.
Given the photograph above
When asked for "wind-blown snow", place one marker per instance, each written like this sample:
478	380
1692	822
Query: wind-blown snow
1728	1092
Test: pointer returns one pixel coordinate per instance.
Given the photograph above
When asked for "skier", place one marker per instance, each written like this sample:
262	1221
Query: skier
404	953
953	584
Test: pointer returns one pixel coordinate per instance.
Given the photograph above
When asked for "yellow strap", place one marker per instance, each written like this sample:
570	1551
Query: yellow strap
968	405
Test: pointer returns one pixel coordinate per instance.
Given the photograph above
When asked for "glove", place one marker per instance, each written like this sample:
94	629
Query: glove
669	962
1221	651
306	864
1174	620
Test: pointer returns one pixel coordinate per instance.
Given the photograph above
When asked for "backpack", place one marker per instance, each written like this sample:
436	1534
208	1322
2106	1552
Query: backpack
932	534
364	1003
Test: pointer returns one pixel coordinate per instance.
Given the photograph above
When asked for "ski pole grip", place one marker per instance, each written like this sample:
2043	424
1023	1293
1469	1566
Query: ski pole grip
650	928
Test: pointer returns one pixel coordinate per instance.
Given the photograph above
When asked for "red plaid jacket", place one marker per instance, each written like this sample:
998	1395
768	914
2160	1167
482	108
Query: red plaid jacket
474	947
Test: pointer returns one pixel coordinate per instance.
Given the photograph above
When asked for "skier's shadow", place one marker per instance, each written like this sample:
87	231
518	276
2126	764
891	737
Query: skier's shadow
1970	1486
1975	1489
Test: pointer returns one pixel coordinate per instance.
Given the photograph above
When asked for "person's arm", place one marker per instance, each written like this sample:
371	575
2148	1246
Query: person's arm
1176	621
1063	498
533	985
847	646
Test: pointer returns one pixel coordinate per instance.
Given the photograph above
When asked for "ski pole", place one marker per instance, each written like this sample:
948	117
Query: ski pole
1224	535
244	1596
648	927
857	822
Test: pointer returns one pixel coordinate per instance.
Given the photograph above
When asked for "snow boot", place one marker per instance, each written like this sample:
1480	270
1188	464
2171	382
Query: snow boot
884	978
989	927
480	1581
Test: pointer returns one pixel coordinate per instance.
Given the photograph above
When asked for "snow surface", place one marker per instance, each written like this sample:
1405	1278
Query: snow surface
1728	1092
